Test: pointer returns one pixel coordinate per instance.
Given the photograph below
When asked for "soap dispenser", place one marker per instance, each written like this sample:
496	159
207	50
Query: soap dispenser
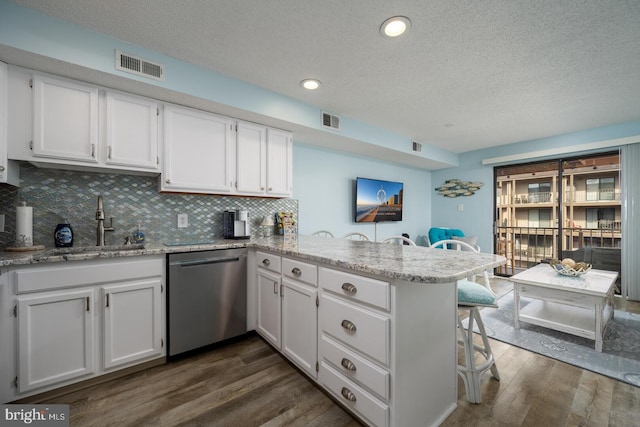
63	236
138	235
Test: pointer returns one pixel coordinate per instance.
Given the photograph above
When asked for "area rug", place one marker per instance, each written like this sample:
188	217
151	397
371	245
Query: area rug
620	357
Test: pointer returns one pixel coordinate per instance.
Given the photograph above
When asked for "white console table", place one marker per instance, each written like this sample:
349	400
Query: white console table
581	305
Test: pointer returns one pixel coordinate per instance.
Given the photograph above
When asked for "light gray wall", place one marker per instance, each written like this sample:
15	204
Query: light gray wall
324	183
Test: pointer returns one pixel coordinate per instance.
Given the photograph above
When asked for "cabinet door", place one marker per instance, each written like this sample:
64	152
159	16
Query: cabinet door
3	122
132	321
198	151
132	131
279	163
299	325
269	306
65	119
251	148
55	338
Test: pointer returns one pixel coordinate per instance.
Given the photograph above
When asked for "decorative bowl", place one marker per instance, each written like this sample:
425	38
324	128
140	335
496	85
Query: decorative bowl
565	270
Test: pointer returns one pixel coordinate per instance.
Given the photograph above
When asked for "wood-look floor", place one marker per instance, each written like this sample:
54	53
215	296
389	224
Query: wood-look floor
248	384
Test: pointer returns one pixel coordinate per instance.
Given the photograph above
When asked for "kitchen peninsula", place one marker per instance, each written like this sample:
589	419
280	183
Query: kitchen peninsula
372	323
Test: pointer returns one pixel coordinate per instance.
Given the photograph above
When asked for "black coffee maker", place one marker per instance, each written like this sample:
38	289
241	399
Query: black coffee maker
236	224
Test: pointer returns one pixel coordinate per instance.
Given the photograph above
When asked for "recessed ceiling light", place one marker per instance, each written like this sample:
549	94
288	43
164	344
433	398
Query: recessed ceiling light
394	27
310	84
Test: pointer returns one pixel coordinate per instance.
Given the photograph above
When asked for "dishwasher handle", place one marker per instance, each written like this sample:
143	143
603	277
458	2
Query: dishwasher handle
205	261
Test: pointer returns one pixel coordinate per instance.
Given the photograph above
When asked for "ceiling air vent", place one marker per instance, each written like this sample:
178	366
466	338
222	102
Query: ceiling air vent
138	66
331	121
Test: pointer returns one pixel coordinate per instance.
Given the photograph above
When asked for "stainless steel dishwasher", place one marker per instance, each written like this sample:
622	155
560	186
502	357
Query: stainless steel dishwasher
206	298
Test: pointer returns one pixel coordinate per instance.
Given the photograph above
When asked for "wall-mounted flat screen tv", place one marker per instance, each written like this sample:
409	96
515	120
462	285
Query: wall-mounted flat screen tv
378	201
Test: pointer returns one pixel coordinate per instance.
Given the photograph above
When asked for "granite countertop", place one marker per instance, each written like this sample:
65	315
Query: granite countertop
411	263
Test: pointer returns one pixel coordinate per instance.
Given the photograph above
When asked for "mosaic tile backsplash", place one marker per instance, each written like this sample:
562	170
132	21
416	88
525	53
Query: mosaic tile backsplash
61	195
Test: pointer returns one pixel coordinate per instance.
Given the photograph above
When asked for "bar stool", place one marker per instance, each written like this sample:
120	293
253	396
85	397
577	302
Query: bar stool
471	297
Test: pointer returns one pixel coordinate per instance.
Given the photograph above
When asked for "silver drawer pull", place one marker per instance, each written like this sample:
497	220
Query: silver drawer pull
266	262
348	364
348	325
347	394
349	288
296	271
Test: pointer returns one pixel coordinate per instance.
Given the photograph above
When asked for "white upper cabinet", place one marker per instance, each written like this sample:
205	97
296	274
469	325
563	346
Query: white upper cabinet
251	146
198	152
8	170
65	119
132	131
279	163
264	161
59	121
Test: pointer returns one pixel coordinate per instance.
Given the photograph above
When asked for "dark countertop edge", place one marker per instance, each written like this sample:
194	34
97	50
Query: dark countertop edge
10	259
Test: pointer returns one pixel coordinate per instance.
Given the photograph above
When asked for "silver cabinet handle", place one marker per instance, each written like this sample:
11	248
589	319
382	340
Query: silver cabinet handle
93	150
296	271
1	168
168	181
275	287
347	394
348	364
349	288
266	262
109	153
348	325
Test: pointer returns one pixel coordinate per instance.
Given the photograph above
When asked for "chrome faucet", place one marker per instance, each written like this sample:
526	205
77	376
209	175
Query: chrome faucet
101	228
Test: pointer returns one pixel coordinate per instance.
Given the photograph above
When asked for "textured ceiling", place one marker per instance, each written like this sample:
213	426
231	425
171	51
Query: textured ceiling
468	74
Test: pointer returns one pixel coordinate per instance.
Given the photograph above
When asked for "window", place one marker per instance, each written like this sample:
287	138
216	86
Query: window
539	192
540	218
600	189
603	218
552	208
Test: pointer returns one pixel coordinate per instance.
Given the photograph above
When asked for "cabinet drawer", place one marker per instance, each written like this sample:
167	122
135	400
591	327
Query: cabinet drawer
355	367
67	275
307	273
369	332
269	261
357	288
354	397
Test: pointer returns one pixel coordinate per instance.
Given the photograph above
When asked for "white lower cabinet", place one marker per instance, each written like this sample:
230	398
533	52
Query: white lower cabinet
56	337
299	325
355	350
78	320
132	321
269	307
287	308
384	349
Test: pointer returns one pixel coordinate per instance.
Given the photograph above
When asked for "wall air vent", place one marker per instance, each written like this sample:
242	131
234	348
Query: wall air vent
138	66
330	121
417	147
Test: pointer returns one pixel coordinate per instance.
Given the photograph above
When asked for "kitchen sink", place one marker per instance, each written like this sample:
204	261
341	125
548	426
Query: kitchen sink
93	249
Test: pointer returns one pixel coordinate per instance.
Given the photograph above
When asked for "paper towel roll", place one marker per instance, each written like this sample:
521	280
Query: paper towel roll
24	225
